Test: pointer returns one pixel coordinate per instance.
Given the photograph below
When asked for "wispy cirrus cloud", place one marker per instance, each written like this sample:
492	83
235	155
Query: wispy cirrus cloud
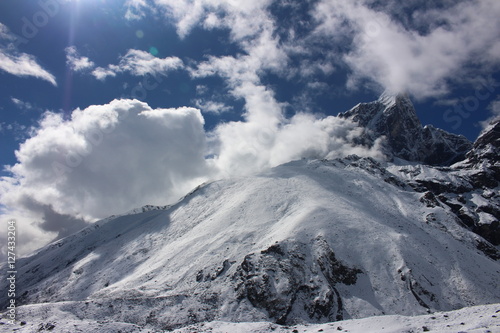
21	104
24	65
134	62
18	63
210	106
139	63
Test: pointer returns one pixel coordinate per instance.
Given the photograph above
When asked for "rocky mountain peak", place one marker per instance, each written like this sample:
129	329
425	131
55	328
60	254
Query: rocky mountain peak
487	145
393	116
483	160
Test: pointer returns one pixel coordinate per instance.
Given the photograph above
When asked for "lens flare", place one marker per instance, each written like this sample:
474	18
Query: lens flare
153	50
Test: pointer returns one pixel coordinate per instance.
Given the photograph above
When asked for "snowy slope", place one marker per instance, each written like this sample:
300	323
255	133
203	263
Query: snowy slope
306	242
469	188
477	319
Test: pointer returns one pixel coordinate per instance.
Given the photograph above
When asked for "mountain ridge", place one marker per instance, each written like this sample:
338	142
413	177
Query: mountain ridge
309	241
286	259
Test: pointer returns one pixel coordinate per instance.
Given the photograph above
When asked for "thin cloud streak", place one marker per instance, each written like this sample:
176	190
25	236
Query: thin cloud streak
139	63
17	63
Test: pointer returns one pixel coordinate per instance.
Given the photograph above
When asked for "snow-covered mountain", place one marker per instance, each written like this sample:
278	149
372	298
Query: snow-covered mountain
310	241
393	116
468	188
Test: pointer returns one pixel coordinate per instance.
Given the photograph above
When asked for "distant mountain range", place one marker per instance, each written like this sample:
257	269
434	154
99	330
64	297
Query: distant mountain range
310	241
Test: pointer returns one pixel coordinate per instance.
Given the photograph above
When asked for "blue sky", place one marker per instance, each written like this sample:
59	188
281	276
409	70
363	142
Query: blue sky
228	87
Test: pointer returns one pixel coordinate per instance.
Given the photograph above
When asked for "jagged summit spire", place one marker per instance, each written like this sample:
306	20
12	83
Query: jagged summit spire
394	118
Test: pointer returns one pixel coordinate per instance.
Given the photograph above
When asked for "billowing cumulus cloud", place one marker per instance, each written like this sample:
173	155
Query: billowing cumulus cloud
105	160
246	147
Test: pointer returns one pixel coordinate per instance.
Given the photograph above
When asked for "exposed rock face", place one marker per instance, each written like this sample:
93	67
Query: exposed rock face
470	188
481	169
484	157
394	117
468	175
293	281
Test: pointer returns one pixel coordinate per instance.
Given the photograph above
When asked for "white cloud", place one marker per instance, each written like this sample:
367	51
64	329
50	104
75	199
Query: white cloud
494	109
416	46
400	56
245	147
76	62
21	104
23	65
262	139
201	89
244	18
110	158
135	9
102	73
14	129
212	106
105	160
139	63
242	72
17	63
5	33
29	239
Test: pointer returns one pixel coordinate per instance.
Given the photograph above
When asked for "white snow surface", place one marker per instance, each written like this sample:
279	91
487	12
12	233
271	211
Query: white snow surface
476	319
141	272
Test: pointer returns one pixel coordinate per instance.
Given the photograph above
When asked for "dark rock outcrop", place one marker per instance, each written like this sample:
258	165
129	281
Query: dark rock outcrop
394	117
292	276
